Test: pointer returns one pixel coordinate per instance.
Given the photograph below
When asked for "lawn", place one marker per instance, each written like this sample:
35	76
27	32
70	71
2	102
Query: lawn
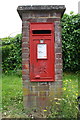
70	94
12	97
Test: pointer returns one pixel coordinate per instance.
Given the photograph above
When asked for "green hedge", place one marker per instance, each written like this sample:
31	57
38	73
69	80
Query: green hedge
71	42
11	53
11	47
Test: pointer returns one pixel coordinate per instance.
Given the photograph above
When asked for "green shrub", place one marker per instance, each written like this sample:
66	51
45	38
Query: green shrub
71	42
11	53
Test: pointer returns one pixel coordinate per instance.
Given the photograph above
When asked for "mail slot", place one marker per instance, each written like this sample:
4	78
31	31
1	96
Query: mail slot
42	52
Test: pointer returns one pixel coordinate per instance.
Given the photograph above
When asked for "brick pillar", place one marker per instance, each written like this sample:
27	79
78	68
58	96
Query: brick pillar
38	95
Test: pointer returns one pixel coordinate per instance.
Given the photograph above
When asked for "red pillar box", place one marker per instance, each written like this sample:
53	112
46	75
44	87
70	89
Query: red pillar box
41	54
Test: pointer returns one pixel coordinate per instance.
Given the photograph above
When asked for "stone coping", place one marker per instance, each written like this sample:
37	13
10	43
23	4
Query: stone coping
27	8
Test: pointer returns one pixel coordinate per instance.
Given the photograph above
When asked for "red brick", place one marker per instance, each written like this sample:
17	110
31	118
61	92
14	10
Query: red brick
25	72
58	44
25	77
58	71
25	39
58	77
25	25
58	61
25	55
53	19
58	50
25	50
26	66
25	33
25	61
58	55
25	44
58	66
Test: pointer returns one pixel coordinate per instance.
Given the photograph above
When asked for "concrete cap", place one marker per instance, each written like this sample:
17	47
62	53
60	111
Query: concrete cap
27	8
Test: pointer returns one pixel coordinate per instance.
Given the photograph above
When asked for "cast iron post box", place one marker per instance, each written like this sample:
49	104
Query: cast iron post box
42	52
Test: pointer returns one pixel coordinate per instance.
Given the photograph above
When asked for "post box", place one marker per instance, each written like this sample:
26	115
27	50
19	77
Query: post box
42	52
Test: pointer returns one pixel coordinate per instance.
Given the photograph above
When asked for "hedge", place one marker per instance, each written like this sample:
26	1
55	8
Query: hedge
71	42
11	53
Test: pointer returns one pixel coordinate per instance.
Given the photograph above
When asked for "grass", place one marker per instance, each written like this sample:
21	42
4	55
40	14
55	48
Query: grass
12	97
70	94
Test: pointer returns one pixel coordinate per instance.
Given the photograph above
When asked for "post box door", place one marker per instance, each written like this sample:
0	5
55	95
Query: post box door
42	53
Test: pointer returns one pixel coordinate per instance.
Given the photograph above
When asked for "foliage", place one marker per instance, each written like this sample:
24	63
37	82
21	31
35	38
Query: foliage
11	53
71	42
